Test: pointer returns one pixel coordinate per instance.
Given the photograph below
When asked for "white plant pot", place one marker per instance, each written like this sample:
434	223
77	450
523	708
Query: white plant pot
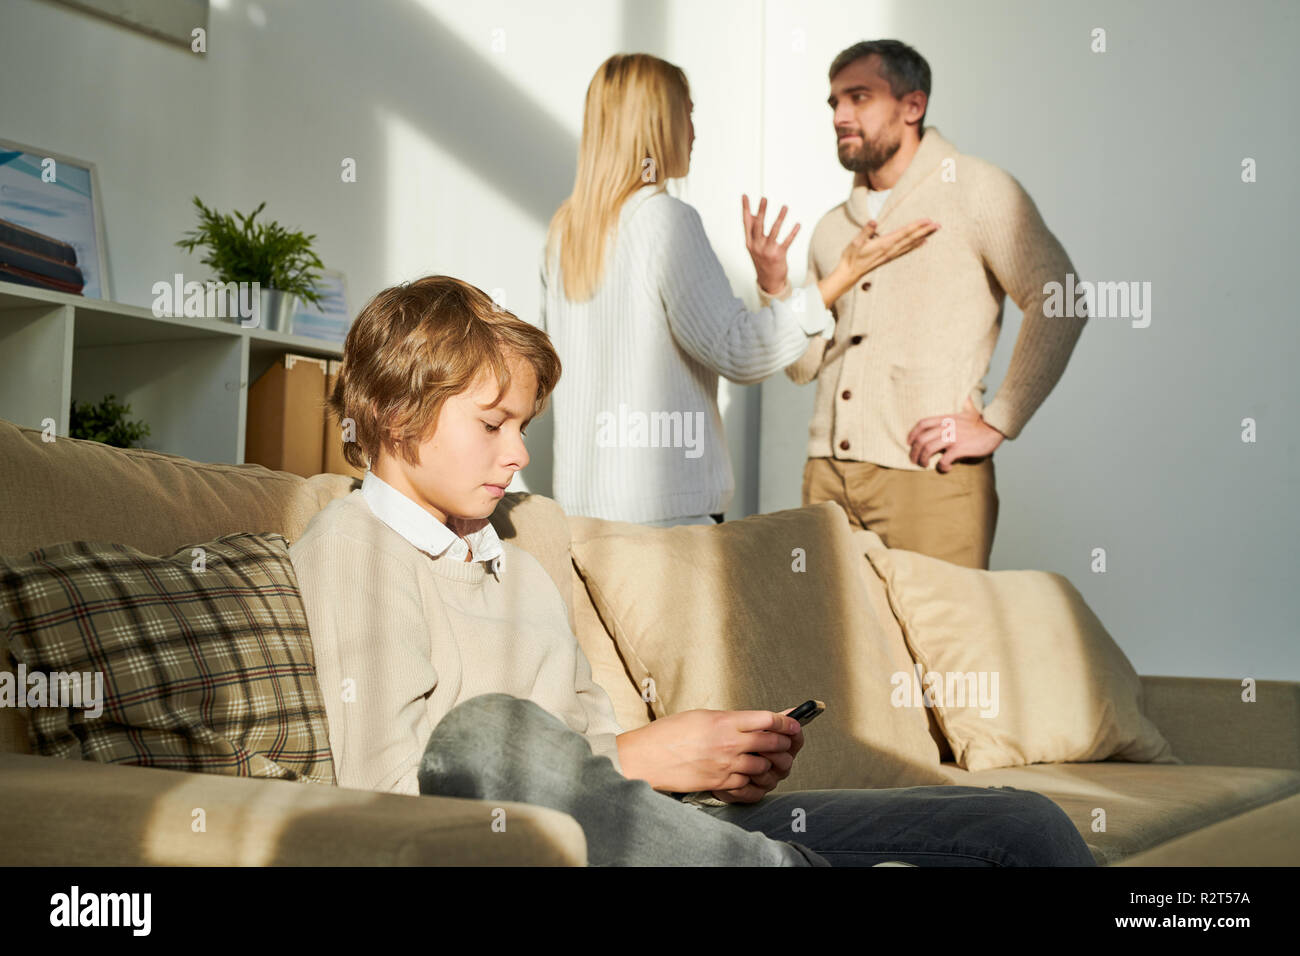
273	309
277	310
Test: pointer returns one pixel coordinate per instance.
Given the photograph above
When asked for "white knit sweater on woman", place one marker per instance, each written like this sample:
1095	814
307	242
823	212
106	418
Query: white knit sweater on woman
638	434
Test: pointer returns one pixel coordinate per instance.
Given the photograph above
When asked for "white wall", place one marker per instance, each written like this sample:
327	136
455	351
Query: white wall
465	149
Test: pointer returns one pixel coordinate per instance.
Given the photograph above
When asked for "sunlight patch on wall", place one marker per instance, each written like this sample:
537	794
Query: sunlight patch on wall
548	50
443	218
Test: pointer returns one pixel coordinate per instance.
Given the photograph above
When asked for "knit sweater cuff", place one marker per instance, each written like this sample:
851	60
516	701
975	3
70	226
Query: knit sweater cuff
606	745
766	299
1001	415
811	314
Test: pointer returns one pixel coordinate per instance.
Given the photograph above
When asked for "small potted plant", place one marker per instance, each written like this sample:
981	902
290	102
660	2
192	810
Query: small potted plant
106	422
241	250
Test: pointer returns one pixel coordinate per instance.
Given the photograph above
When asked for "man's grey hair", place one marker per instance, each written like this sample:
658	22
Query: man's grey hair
905	70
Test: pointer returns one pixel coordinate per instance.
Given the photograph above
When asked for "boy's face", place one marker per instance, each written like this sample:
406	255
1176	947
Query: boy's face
473	453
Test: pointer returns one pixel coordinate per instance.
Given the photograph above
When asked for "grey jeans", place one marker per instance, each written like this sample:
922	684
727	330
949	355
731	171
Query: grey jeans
499	747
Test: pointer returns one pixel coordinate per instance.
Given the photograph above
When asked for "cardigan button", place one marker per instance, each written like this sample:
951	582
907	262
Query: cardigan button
844	445
855	340
846	395
866	286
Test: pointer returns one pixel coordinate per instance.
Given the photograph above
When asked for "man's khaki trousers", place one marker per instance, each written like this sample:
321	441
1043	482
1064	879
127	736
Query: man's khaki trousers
949	516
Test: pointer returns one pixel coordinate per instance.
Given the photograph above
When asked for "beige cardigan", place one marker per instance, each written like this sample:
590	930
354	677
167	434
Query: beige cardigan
918	341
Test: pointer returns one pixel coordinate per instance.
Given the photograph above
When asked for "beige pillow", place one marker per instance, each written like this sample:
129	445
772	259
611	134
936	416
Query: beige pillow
607	666
864	541
721	617
1017	667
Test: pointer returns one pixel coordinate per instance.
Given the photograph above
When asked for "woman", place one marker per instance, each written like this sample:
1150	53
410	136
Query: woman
643	317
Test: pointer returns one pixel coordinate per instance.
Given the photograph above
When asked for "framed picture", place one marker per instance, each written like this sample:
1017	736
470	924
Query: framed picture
331	319
58	197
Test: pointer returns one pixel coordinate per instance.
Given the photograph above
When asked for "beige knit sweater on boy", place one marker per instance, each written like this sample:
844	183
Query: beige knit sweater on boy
917	341
401	638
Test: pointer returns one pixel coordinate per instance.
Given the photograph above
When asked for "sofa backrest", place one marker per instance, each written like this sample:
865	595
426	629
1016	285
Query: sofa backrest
539	525
70	489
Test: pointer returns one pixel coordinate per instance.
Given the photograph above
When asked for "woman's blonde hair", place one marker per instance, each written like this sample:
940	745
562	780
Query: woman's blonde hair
635	131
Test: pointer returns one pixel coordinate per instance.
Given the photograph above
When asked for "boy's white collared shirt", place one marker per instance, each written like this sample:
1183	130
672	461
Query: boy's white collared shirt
425	531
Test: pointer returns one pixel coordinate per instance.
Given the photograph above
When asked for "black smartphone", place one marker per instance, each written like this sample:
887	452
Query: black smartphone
807	712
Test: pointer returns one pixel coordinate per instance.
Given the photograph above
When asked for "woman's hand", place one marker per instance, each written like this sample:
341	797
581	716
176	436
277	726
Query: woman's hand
767	253
867	251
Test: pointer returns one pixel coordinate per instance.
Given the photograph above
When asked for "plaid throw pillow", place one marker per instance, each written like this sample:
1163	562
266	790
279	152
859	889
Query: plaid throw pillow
198	661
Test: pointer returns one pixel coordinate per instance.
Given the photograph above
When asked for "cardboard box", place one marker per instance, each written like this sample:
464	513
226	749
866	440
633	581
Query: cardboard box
334	462
286	416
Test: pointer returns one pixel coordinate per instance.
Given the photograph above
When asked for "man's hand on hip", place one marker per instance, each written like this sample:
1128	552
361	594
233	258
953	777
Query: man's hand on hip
962	434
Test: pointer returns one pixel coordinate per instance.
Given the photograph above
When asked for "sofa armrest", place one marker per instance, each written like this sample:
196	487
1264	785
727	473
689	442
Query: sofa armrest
1206	722
81	813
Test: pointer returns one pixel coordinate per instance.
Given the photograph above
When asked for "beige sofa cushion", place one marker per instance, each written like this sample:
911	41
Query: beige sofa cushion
1266	836
13	725
864	541
1017	666
608	668
78	813
764	613
1126	808
538	525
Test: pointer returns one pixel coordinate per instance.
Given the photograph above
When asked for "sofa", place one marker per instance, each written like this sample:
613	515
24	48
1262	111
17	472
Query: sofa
1234	799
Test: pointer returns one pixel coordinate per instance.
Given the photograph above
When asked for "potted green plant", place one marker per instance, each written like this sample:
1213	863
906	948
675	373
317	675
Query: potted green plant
242	250
106	422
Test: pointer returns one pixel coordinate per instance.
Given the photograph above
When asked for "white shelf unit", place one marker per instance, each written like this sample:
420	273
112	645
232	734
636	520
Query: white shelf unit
187	378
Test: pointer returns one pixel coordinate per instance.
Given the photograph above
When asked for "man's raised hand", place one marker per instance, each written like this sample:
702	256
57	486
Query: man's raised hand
868	250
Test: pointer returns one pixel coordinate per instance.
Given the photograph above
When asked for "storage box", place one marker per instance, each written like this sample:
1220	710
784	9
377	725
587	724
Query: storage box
286	416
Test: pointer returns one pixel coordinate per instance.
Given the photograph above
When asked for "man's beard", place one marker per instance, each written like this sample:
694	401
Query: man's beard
869	157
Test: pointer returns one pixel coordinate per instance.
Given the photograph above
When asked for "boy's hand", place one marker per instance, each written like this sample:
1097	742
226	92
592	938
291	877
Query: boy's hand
759	785
718	750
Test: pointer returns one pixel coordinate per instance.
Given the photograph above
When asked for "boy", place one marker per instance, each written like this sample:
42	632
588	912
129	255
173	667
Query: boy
448	666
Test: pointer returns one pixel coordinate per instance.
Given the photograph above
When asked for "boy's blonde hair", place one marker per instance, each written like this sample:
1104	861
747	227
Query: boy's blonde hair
414	346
